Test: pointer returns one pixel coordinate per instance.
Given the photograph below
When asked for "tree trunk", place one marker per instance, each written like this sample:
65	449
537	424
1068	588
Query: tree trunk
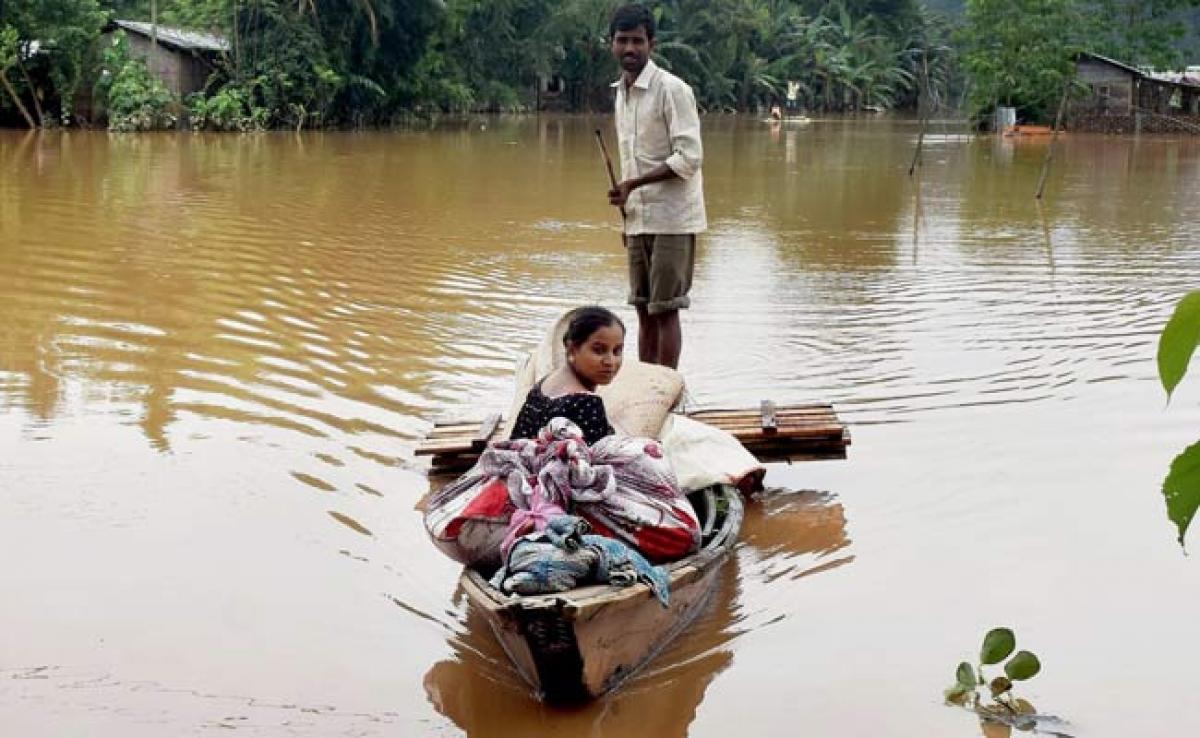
16	99
33	91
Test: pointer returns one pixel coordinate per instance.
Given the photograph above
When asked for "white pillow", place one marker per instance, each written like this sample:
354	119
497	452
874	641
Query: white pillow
640	398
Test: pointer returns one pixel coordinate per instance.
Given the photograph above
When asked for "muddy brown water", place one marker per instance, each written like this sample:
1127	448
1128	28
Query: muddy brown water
218	352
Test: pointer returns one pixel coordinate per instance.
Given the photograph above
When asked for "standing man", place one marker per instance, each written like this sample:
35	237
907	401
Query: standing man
658	130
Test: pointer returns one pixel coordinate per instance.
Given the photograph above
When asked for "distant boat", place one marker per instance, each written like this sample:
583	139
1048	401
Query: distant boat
1024	130
794	120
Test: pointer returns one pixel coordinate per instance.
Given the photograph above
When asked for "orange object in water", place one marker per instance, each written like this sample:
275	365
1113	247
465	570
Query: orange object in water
1023	130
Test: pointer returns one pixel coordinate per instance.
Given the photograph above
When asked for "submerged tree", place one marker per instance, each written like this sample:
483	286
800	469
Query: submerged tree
44	46
1019	53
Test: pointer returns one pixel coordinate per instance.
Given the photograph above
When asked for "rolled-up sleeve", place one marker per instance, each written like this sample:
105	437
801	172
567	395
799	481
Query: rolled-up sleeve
683	126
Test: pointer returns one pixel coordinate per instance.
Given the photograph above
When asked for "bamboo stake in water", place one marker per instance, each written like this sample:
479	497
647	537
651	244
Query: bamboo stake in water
921	93
1062	104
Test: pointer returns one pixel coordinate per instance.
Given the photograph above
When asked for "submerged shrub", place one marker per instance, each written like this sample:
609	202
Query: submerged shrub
133	97
229	109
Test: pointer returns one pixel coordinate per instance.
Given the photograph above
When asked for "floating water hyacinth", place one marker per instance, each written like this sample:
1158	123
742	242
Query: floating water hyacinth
969	682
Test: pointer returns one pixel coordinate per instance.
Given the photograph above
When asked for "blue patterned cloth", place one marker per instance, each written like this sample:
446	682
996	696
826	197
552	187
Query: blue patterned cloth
564	556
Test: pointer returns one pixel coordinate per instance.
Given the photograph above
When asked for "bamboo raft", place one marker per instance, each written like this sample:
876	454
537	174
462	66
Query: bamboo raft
770	432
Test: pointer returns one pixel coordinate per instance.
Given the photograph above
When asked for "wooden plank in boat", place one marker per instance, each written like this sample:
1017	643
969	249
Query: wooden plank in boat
781	420
771	432
485	431
811	408
819	431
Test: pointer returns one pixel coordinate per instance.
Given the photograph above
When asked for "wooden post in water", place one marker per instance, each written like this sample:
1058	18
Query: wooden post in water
923	103
1062	105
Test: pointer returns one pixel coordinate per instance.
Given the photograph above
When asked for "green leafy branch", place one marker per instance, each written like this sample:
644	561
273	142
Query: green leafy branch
998	645
1176	345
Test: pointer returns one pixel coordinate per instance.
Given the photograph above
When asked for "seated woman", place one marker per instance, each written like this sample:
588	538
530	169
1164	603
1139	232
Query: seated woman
564	456
595	344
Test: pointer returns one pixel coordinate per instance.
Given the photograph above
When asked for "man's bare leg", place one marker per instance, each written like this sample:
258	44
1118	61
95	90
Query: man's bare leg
670	338
647	336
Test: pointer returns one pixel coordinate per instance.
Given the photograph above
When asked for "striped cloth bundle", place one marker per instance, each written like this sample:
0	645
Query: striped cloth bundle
622	486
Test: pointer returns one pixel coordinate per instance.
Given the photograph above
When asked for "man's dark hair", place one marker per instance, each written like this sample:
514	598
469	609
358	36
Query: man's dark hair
629	17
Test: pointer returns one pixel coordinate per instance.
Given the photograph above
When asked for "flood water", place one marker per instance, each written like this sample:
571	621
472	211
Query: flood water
217	354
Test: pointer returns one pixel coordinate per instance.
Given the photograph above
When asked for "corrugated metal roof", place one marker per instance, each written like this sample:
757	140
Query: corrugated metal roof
1176	78
1114	62
178	38
1172	78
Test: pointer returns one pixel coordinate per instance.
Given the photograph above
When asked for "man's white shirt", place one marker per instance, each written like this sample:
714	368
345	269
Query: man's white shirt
657	123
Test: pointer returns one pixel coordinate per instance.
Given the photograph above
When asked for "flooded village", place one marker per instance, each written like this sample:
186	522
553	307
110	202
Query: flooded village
403	367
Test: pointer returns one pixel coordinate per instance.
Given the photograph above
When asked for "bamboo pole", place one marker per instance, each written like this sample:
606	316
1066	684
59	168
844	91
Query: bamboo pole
1062	105
612	177
922	93
154	35
237	59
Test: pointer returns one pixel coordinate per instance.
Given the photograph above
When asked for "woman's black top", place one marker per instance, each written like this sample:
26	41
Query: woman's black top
581	408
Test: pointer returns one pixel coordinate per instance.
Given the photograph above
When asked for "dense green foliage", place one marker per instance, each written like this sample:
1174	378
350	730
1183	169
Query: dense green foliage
135	99
46	40
1019	52
299	63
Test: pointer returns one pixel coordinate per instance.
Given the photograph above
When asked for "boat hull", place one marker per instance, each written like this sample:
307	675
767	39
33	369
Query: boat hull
577	645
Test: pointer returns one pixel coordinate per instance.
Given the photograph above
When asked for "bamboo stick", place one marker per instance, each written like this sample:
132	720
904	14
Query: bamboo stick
923	102
1062	105
612	177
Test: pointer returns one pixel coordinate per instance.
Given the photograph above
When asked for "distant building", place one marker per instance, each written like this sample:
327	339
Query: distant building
183	59
1125	99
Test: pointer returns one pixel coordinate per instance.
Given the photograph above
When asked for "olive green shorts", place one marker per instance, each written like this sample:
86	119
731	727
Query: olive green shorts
660	270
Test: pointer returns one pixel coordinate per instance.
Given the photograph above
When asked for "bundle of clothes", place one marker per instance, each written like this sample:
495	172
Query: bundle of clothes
552	513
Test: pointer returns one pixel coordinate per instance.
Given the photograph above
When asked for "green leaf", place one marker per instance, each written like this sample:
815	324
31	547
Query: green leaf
965	675
1182	489
1178	341
997	644
1024	665
999	686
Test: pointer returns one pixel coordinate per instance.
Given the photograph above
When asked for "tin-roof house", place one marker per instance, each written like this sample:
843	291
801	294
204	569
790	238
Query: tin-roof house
182	58
1125	99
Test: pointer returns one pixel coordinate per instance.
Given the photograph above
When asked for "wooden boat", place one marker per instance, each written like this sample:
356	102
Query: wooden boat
576	645
1027	130
794	120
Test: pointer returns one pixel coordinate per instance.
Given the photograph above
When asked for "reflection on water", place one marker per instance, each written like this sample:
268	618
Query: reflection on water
217	354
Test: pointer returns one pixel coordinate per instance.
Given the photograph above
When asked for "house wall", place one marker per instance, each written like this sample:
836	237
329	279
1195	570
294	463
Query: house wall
1118	99
164	63
182	72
